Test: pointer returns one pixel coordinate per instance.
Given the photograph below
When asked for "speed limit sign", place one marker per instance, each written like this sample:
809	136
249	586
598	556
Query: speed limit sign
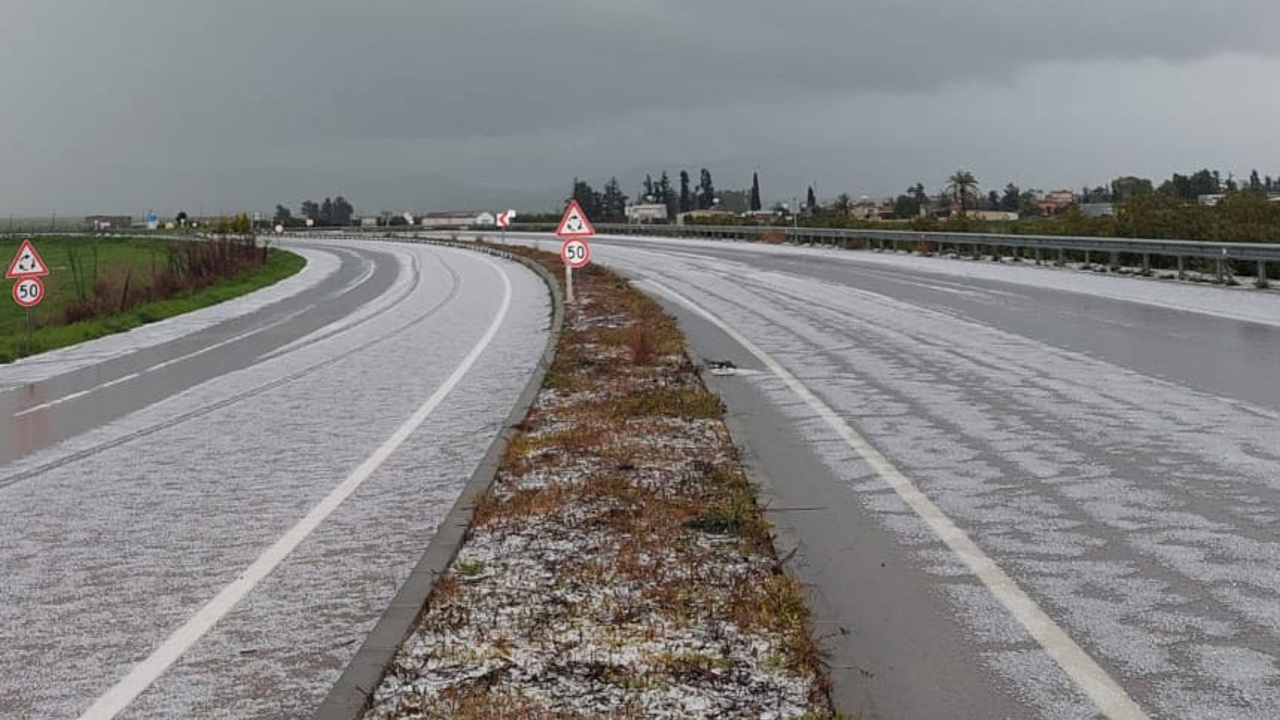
575	253
28	292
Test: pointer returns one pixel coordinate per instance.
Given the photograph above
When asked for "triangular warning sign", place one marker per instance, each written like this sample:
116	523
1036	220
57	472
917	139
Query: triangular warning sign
27	263
575	224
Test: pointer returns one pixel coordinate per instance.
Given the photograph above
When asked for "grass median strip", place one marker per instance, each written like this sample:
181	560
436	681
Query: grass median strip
619	567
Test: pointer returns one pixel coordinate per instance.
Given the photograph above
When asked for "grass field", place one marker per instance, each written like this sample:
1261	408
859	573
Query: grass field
10	225
84	270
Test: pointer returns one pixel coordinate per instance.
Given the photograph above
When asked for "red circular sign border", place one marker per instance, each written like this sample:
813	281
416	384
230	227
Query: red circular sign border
33	279
585	261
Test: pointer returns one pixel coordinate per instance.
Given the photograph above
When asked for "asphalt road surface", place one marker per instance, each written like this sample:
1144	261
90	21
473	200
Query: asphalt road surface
1017	492
205	517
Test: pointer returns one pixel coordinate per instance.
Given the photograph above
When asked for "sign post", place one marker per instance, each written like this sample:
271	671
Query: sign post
27	268
574	229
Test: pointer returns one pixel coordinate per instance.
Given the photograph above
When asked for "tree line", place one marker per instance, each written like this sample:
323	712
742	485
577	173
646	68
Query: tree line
610	204
963	192
1177	208
329	212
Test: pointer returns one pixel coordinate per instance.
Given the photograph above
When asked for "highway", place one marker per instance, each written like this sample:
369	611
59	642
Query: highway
1014	492
203	518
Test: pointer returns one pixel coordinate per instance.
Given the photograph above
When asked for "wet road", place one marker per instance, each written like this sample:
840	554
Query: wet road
1011	500
205	519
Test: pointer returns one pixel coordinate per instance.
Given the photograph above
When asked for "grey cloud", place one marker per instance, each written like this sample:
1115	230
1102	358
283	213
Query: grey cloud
142	88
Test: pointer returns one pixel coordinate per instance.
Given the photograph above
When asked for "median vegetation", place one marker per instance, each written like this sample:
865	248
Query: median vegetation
101	286
619	567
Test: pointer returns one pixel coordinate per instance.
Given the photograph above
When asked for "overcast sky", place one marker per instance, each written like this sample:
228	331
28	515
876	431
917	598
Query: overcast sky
124	105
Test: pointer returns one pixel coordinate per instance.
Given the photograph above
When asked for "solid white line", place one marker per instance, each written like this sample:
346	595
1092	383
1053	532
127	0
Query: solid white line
327	331
53	403
1107	695
365	275
159	366
145	673
73	396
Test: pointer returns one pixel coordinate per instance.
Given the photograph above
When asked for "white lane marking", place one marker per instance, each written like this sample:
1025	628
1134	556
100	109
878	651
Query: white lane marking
366	311
365	275
1107	695
145	673
82	393
157	366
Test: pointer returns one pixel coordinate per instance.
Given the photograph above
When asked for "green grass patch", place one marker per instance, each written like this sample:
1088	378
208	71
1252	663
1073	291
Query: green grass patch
80	267
687	403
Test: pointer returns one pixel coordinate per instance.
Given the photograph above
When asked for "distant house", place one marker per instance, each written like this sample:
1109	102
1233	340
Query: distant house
647	213
992	215
872	210
105	223
447	219
1061	198
695	215
1055	201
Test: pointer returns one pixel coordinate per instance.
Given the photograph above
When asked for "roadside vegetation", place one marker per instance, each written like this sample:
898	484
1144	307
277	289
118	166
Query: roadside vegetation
1241	216
619	567
104	285
1203	205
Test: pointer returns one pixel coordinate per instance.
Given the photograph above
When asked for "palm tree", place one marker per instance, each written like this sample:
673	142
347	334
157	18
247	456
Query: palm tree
963	187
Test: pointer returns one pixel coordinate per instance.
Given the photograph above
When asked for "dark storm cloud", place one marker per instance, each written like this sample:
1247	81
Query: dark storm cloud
139	87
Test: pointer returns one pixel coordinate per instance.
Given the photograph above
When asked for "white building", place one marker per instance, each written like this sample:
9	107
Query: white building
696	215
447	219
647	213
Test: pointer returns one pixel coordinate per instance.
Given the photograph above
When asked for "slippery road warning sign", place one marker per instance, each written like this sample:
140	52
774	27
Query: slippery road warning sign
575	224
27	263
28	292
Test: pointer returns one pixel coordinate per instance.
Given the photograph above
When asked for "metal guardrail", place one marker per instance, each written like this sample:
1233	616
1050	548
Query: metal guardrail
1041	248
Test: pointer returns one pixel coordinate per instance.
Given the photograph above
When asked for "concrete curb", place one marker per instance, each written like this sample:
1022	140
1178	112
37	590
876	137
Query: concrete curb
352	693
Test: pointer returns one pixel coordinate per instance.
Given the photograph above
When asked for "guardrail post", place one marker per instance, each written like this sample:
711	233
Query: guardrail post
1182	273
1262	275
1115	261
1062	257
1146	263
1222	278
1037	255
1087	263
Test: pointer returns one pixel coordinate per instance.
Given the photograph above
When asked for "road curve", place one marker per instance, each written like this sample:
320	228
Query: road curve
205	520
1017	492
